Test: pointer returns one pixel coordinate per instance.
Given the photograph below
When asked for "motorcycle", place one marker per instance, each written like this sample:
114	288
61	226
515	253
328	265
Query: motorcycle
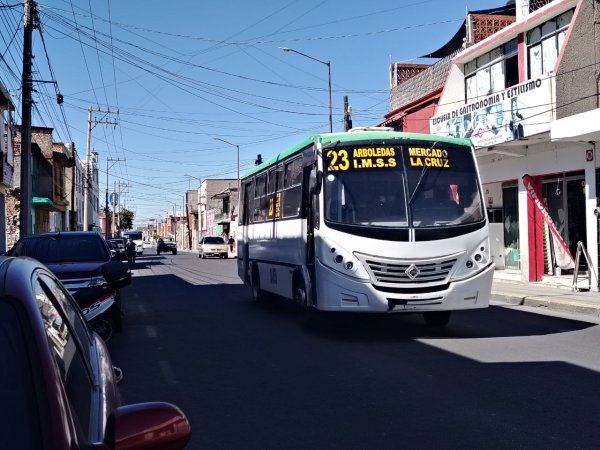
101	303
104	315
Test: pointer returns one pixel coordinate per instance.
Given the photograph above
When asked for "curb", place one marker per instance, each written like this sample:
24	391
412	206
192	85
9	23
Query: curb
554	304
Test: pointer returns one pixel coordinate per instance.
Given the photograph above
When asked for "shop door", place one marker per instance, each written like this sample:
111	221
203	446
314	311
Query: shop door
576	213
511	227
565	199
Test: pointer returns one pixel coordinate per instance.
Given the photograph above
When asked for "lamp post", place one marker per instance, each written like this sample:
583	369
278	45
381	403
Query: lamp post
328	64
192	176
238	159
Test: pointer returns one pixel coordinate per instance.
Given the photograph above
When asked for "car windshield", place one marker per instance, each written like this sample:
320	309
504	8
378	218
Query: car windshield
136	236
63	248
401	186
214	240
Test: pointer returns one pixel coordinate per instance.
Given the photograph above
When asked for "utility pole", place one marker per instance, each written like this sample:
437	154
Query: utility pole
113	160
92	122
114	203
347	114
120	184
25	221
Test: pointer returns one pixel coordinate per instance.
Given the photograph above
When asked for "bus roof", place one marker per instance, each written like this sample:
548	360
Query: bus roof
351	136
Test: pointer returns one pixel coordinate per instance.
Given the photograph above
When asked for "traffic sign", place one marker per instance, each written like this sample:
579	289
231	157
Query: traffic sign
114	198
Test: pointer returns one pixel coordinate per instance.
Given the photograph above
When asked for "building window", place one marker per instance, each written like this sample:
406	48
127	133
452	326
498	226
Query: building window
544	43
492	71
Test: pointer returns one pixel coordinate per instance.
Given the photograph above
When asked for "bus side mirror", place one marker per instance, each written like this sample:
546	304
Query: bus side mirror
315	181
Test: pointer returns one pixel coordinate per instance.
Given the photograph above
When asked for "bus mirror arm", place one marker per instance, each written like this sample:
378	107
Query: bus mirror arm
314	182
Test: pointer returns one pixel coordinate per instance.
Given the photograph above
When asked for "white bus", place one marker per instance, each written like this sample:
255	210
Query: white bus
368	221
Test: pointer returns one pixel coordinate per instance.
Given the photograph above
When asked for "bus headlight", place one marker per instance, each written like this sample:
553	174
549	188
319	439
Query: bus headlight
337	258
475	261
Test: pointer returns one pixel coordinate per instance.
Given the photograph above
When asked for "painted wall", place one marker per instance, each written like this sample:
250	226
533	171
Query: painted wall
577	87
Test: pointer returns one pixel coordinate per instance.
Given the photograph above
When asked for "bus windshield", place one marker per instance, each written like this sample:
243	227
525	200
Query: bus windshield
401	186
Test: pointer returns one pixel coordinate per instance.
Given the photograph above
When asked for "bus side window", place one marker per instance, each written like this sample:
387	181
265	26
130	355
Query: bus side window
292	184
260	198
248	202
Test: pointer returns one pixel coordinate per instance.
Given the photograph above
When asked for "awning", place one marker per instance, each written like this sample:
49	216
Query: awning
42	202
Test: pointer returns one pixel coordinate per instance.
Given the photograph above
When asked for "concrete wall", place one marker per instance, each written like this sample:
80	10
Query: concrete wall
577	87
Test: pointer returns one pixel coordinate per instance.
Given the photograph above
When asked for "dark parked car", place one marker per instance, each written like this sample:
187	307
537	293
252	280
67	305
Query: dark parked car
118	247
57	382
166	245
79	259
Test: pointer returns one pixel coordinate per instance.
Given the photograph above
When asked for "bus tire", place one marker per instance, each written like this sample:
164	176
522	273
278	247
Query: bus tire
438	319
299	293
258	295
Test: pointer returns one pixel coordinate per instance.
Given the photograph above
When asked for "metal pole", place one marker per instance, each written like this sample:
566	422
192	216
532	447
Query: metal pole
114	215
106	231
86	187
330	106
119	206
328	64
238	167
25	219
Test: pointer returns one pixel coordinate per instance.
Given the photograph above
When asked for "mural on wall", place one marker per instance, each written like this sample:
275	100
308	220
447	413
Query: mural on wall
517	112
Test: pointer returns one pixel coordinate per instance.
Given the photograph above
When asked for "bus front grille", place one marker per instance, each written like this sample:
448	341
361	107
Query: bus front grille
394	272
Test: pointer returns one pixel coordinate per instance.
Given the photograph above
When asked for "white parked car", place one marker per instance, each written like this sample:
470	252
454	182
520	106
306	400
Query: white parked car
147	244
212	245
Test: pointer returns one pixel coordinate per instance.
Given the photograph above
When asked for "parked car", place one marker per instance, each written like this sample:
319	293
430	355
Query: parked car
58	381
117	246
212	245
146	244
79	259
166	245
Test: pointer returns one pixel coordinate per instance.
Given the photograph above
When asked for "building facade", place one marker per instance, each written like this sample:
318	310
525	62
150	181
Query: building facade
6	160
527	97
210	205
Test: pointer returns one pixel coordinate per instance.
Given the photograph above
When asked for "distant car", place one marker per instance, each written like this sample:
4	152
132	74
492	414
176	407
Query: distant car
166	245
212	246
146	244
57	379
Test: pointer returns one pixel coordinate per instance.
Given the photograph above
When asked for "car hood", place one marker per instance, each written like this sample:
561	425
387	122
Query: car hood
68	270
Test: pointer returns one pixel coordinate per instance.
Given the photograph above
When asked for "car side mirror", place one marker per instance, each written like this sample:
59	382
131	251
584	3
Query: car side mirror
116	274
147	426
315	180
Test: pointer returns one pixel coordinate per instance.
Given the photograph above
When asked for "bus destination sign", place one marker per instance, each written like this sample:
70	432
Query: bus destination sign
428	157
360	158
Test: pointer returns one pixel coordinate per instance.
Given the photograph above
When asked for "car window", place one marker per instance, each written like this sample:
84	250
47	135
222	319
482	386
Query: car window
19	425
214	240
69	353
63	248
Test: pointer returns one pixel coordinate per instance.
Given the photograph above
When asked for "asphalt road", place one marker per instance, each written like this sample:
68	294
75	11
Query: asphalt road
251	377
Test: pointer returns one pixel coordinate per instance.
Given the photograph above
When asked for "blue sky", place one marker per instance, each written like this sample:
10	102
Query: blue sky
184	72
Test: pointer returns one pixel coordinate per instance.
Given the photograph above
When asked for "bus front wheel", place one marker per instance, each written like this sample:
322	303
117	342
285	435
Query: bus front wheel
437	319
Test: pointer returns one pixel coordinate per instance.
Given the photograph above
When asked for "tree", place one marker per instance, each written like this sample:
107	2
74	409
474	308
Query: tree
126	219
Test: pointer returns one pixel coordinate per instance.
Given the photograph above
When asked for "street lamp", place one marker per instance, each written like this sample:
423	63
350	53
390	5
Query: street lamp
238	159
191	176
328	64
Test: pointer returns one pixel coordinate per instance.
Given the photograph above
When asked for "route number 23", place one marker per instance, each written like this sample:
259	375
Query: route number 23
338	160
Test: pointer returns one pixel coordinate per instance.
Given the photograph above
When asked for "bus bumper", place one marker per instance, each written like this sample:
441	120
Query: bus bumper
336	292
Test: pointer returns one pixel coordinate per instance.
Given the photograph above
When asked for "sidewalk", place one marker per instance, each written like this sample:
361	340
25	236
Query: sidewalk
554	293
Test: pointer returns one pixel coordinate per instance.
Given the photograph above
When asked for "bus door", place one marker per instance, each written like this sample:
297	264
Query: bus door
243	237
